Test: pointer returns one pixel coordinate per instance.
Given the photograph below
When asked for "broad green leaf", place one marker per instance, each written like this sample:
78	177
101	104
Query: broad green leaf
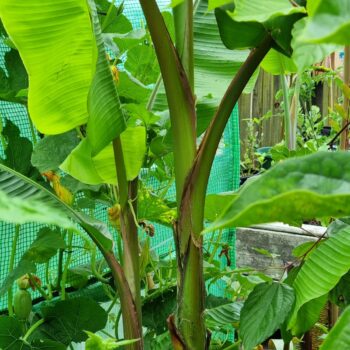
223	315
158	342
308	315
340	294
106	118
304	249
239	35
142	63
45	246
275	63
216	203
22	268
100	169
339	336
305	54
131	90
280	29
23	201
176	2
10	334
294	190
214	65
22	208
264	312
14	80
18	149
330	23
156	311
50	152
66	321
212	4
311	6
56	44
262	11
332	256
46	344
153	208
129	40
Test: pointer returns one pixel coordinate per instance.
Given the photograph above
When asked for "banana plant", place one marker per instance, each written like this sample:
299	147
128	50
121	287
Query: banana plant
71	85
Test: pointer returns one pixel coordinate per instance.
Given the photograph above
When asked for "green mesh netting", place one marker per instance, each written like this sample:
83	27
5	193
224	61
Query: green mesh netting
224	177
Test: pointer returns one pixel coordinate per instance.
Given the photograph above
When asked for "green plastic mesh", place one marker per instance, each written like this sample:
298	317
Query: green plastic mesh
224	177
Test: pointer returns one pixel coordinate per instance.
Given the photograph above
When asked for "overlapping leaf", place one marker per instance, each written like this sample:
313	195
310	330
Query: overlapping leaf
312	282
298	189
329	23
339	336
57	47
264	311
22	201
101	168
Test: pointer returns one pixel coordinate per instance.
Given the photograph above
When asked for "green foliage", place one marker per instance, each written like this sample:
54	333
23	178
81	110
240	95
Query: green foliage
50	152
101	168
311	282
308	315
339	336
319	180
22	202
18	149
156	311
329	23
264	312
42	249
251	22
58	93
14	81
11	337
255	10
305	53
66	321
223	316
340	294
275	63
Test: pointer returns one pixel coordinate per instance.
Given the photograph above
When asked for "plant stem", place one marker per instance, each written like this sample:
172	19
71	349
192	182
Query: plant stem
48	280
183	21
216	247
198	178
132	327
189	317
178	91
11	266
286	112
294	109
66	266
33	328
131	264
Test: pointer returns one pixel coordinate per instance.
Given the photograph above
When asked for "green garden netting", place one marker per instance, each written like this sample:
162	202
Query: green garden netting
224	177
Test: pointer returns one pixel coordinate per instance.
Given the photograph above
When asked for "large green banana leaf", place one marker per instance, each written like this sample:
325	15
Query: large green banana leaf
23	200
70	82
56	43
101	168
303	188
